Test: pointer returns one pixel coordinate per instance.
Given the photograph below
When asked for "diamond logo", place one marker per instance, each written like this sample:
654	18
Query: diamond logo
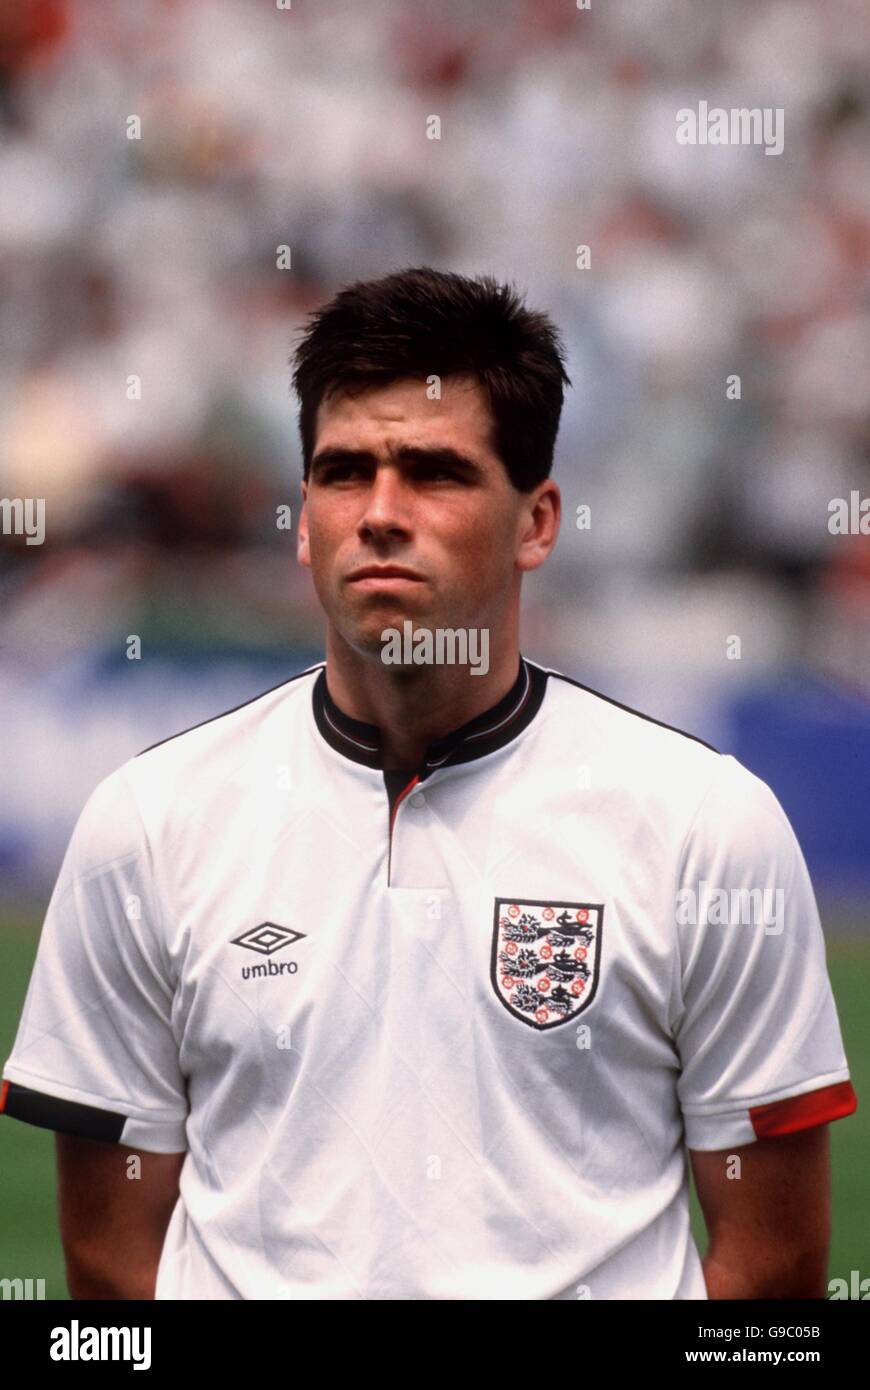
267	938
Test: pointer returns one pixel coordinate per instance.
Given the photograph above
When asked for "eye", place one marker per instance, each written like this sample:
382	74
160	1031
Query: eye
337	472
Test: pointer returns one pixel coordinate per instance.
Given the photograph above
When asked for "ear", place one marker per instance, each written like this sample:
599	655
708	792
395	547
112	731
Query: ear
302	550
540	518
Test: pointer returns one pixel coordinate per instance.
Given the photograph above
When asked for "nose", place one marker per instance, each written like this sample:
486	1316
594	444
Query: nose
387	507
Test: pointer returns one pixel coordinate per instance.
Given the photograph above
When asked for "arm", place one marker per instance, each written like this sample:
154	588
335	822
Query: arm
112	1226
769	1229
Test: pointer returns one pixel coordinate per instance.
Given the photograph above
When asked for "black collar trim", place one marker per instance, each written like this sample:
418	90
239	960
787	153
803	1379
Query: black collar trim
484	734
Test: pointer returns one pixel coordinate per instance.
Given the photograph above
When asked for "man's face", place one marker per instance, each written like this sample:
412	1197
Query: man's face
399	480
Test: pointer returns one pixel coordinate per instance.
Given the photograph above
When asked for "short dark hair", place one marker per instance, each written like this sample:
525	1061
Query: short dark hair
420	322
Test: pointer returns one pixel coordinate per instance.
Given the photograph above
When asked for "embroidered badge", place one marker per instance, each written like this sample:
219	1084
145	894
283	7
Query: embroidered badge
545	958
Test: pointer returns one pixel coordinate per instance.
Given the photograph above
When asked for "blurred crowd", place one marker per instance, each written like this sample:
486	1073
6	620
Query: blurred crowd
155	259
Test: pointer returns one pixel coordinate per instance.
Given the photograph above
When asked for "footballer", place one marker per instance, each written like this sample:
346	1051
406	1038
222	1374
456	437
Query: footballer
401	979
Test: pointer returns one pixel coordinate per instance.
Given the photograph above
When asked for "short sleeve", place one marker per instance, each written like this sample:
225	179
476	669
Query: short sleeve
95	1054
755	1023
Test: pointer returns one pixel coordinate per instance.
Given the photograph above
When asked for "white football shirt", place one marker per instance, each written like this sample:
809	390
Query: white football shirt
435	1035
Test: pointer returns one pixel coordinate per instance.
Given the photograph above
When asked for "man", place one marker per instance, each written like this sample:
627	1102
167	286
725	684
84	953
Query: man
403	979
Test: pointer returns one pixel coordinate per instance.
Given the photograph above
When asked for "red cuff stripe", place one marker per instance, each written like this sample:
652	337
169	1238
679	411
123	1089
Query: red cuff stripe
3	1094
803	1112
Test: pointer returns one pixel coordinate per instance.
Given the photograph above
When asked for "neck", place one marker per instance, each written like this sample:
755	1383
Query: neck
412	705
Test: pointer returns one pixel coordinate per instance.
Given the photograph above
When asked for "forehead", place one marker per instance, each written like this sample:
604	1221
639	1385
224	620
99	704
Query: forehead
403	412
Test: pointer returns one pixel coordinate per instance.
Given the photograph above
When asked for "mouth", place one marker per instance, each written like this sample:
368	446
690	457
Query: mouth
383	577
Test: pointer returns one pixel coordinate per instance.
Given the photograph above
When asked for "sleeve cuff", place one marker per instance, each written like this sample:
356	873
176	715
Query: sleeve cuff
88	1121
785	1115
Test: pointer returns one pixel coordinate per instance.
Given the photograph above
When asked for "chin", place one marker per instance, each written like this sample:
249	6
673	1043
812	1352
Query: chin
366	637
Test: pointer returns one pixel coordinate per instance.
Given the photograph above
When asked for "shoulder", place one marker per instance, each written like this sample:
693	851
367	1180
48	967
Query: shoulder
625	747
674	778
616	720
235	725
741	825
184	773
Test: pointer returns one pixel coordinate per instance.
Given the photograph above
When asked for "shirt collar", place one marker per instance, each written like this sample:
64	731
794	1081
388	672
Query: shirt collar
484	734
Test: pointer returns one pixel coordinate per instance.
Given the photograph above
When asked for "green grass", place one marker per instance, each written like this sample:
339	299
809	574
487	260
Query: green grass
30	1245
849	969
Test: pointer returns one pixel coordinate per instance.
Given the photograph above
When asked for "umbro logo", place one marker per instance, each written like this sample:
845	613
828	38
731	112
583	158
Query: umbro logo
266	939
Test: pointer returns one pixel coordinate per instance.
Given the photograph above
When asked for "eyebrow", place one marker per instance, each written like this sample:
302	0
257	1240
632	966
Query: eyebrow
438	455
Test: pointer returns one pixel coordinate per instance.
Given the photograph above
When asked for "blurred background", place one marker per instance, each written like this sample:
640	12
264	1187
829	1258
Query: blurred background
158	258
